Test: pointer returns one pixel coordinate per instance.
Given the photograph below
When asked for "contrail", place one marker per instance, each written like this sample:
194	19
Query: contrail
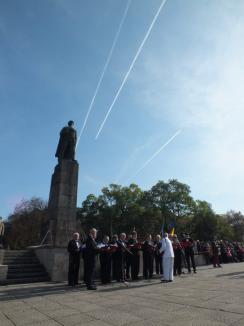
105	68
131	67
154	155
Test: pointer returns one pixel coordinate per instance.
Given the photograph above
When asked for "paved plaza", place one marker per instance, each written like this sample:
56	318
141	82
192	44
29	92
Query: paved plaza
211	297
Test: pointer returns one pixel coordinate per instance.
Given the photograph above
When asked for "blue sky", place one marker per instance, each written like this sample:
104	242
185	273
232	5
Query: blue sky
189	76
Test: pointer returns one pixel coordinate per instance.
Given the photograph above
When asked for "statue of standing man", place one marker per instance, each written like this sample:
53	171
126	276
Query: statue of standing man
67	143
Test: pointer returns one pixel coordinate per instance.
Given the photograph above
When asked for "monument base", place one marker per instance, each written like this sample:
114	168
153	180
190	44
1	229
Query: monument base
55	261
62	202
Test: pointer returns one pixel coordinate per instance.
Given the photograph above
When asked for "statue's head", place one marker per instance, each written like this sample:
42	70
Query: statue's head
71	123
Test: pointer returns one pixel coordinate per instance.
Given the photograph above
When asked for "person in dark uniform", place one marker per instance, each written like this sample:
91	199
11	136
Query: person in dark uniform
216	253
188	244
121	250
114	256
105	261
128	258
90	252
135	247
178	255
74	249
148	255
158	255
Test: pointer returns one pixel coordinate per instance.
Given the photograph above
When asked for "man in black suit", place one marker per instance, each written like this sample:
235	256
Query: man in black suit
189	252
148	255
74	249
91	250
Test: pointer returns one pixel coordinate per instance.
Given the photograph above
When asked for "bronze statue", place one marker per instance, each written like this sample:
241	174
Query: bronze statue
67	143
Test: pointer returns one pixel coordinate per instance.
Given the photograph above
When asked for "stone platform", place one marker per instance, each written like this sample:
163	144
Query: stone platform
212	297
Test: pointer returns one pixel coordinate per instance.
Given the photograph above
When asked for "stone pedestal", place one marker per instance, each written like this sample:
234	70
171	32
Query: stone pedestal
62	207
1	255
56	262
62	202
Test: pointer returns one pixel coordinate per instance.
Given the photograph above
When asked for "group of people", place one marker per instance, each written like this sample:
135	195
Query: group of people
120	257
221	251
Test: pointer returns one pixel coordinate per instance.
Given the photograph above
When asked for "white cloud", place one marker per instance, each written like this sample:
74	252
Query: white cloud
204	93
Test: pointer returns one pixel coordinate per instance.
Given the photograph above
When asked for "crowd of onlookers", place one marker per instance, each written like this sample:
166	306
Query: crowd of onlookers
227	251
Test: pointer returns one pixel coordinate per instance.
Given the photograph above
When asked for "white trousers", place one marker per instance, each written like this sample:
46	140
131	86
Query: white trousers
168	268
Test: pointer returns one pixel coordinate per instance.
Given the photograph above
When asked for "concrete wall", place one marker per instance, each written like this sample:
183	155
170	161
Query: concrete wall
55	261
3	268
3	272
1	255
200	259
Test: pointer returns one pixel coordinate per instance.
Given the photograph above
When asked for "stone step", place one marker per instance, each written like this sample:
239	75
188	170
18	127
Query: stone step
24	270
10	255
26	275
12	261
25	267
18	251
25	280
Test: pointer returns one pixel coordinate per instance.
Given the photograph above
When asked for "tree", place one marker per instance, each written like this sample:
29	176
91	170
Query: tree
236	220
204	222
117	209
26	223
224	229
173	199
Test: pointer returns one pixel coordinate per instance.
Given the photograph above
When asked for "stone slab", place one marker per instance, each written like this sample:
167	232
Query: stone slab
3	272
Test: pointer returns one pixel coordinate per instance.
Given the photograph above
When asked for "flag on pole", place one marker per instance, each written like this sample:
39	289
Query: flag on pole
171	229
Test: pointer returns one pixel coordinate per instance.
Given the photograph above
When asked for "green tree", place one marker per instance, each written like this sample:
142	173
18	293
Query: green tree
236	220
117	209
224	229
173	199
204	222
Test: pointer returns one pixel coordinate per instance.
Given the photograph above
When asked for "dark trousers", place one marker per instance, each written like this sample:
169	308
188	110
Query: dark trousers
190	255
158	264
135	264
118	267
177	264
105	261
147	266
74	266
89	270
128	265
216	260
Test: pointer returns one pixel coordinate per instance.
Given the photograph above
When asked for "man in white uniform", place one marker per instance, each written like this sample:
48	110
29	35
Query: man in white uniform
168	259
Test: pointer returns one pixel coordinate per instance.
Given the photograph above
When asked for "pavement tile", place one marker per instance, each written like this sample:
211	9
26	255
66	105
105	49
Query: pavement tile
94	323
49	322
74	319
28	317
114	317
83	306
147	323
61	312
240	322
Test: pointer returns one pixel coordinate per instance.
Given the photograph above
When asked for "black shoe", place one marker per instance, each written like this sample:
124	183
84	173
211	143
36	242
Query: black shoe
91	287
195	272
